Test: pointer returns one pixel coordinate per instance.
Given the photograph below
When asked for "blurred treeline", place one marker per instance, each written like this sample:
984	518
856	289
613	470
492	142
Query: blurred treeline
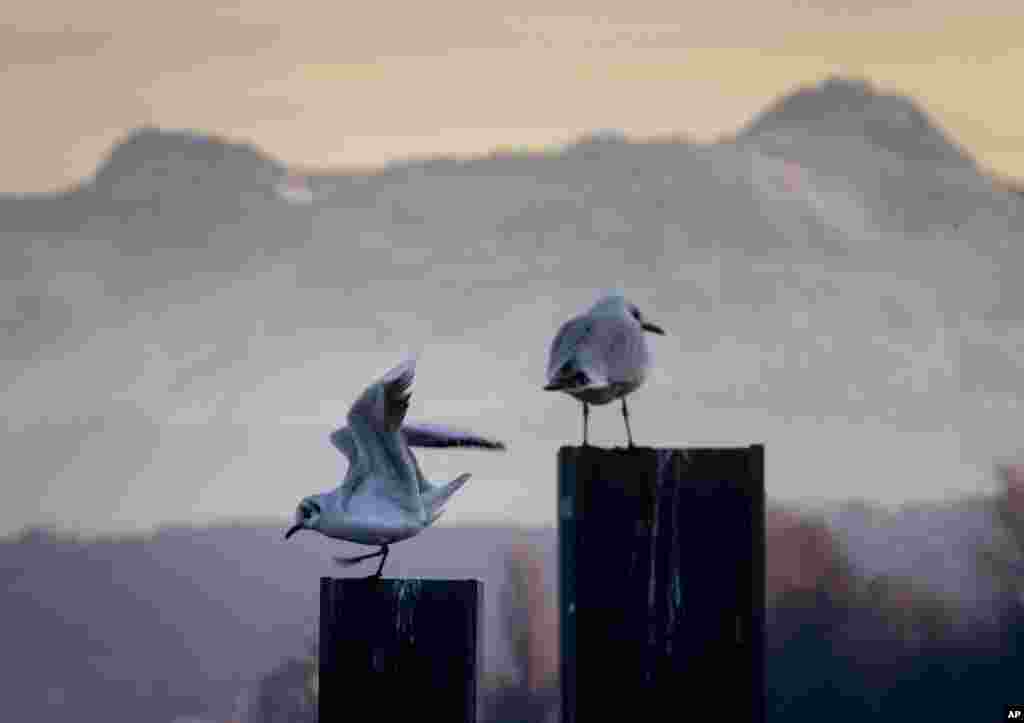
860	648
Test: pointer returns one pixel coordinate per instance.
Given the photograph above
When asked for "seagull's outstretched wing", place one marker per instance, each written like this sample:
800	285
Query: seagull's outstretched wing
422	434
382	456
384	403
343	441
425	434
419	434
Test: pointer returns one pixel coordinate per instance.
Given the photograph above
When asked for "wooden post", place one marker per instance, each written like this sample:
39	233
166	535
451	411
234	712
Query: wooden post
399	649
662	585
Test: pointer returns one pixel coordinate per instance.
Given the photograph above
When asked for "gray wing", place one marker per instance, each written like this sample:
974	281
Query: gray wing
424	434
345	442
382	455
416	435
384	403
567	343
342	439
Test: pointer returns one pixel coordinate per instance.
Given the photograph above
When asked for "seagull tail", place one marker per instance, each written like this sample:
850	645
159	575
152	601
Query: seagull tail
435	498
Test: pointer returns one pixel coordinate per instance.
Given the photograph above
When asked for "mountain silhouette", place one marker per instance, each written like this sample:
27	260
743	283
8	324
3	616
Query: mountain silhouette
177	279
851	107
149	161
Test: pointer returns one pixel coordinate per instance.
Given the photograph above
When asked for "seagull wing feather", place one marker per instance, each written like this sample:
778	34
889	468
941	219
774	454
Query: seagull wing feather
426	434
383	455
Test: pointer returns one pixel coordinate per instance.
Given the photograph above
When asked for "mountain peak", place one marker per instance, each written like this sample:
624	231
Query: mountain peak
148	160
839	106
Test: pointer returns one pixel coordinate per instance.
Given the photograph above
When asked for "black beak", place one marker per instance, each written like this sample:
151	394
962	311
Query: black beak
292	530
653	328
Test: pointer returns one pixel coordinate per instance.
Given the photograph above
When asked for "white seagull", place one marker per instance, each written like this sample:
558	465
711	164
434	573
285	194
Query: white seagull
601	355
384	497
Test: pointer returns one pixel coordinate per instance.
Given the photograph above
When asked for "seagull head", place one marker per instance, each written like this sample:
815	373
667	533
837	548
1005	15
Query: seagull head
307	516
642	320
615	302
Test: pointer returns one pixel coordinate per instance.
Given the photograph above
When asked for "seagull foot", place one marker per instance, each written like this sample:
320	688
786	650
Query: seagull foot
347	561
350	561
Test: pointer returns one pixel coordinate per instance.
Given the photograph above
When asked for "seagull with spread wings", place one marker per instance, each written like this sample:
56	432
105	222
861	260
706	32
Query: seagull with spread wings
384	498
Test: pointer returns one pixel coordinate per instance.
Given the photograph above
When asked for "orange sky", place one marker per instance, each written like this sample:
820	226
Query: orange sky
320	85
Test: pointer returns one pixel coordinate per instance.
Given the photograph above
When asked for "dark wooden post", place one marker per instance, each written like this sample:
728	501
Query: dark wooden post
662	583
408	648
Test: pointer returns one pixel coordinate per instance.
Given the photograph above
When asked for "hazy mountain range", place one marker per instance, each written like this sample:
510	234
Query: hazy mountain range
838	276
842	281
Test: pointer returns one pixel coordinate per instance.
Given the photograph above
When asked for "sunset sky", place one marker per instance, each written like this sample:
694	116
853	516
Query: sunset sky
357	85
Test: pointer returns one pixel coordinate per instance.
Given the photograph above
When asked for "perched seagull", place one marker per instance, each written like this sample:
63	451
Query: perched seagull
384	498
601	355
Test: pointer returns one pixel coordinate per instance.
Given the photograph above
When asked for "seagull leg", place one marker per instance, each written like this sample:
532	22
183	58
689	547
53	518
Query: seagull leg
586	418
383	558
625	416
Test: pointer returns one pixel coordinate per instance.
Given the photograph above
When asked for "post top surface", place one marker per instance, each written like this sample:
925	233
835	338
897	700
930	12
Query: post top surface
392	580
647	450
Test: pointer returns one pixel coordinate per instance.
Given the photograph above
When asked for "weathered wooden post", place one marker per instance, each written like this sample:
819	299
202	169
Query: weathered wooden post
662	583
408	648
